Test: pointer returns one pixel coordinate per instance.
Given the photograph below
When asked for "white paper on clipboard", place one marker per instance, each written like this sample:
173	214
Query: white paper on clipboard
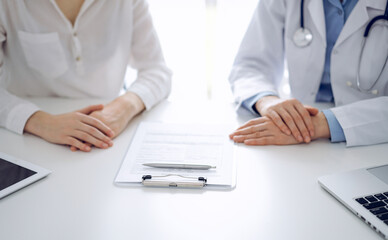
180	143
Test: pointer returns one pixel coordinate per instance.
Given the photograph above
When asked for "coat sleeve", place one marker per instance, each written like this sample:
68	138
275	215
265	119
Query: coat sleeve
364	122
259	64
14	112
153	82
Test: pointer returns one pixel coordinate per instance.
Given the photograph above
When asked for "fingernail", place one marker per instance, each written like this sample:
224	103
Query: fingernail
300	139
307	139
110	143
87	148
104	145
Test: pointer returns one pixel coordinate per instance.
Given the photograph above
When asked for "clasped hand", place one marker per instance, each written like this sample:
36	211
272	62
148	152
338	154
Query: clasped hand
95	125
283	122
77	129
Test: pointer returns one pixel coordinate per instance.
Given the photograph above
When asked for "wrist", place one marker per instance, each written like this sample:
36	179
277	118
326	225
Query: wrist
130	103
36	122
321	127
261	103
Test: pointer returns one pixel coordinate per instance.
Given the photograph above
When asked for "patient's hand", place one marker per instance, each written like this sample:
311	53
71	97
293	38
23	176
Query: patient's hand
118	113
263	131
75	128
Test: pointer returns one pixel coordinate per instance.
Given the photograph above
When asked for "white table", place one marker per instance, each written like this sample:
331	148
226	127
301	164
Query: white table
277	194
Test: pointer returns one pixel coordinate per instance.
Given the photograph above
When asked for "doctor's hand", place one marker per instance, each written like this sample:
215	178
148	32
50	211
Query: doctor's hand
76	129
264	131
118	113
289	115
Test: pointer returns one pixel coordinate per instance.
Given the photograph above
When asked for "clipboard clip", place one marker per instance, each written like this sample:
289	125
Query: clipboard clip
162	181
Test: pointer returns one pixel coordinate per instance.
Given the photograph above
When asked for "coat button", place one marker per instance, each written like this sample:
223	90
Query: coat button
349	83
375	92
78	59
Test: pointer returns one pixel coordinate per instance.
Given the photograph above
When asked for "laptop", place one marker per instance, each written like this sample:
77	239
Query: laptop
364	192
16	174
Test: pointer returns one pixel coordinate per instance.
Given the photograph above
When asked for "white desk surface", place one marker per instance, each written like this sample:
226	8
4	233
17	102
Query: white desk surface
277	194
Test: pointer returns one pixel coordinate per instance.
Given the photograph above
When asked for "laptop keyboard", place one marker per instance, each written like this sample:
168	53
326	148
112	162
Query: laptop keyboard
377	204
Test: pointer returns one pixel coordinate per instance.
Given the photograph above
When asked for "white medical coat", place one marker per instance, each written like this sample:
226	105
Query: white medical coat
268	42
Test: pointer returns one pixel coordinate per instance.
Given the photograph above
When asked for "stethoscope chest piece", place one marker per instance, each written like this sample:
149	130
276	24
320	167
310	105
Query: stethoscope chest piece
302	37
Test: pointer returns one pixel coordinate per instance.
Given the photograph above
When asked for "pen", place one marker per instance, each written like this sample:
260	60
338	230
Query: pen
179	165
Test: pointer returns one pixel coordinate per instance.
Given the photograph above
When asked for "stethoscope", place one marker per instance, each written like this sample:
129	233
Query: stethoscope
303	37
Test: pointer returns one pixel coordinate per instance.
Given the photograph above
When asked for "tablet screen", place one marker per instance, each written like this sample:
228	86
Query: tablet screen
11	173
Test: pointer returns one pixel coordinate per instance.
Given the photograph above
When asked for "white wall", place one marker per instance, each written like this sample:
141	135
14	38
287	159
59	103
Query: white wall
199	40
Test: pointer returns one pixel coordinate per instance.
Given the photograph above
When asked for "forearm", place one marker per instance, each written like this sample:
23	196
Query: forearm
364	122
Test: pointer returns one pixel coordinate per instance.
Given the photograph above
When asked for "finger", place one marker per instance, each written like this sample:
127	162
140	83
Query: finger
95	133
260	141
300	124
311	110
77	144
242	138
89	109
279	122
288	119
252	122
94	122
84	136
306	118
74	149
247	130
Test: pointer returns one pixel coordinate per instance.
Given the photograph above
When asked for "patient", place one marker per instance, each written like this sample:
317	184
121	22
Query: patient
78	49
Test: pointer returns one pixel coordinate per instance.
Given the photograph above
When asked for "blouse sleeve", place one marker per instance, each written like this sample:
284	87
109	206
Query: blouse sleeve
153	81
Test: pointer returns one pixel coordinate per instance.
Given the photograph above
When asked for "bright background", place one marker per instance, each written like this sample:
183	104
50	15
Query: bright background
200	39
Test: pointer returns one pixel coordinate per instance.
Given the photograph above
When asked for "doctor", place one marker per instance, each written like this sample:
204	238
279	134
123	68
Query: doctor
78	49
336	51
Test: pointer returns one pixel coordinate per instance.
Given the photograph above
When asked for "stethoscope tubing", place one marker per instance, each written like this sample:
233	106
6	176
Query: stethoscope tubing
366	33
302	14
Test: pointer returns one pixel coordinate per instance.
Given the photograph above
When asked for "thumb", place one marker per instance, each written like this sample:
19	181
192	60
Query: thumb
91	108
312	110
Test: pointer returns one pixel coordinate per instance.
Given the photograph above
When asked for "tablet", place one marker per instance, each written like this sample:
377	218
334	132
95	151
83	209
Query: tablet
16	174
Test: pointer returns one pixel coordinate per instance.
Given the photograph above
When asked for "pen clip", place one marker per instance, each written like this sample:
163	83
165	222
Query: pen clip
191	182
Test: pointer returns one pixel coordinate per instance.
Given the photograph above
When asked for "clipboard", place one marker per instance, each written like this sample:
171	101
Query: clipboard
179	143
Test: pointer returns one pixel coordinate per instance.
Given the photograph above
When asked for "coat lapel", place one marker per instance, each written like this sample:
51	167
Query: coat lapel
359	18
315	8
